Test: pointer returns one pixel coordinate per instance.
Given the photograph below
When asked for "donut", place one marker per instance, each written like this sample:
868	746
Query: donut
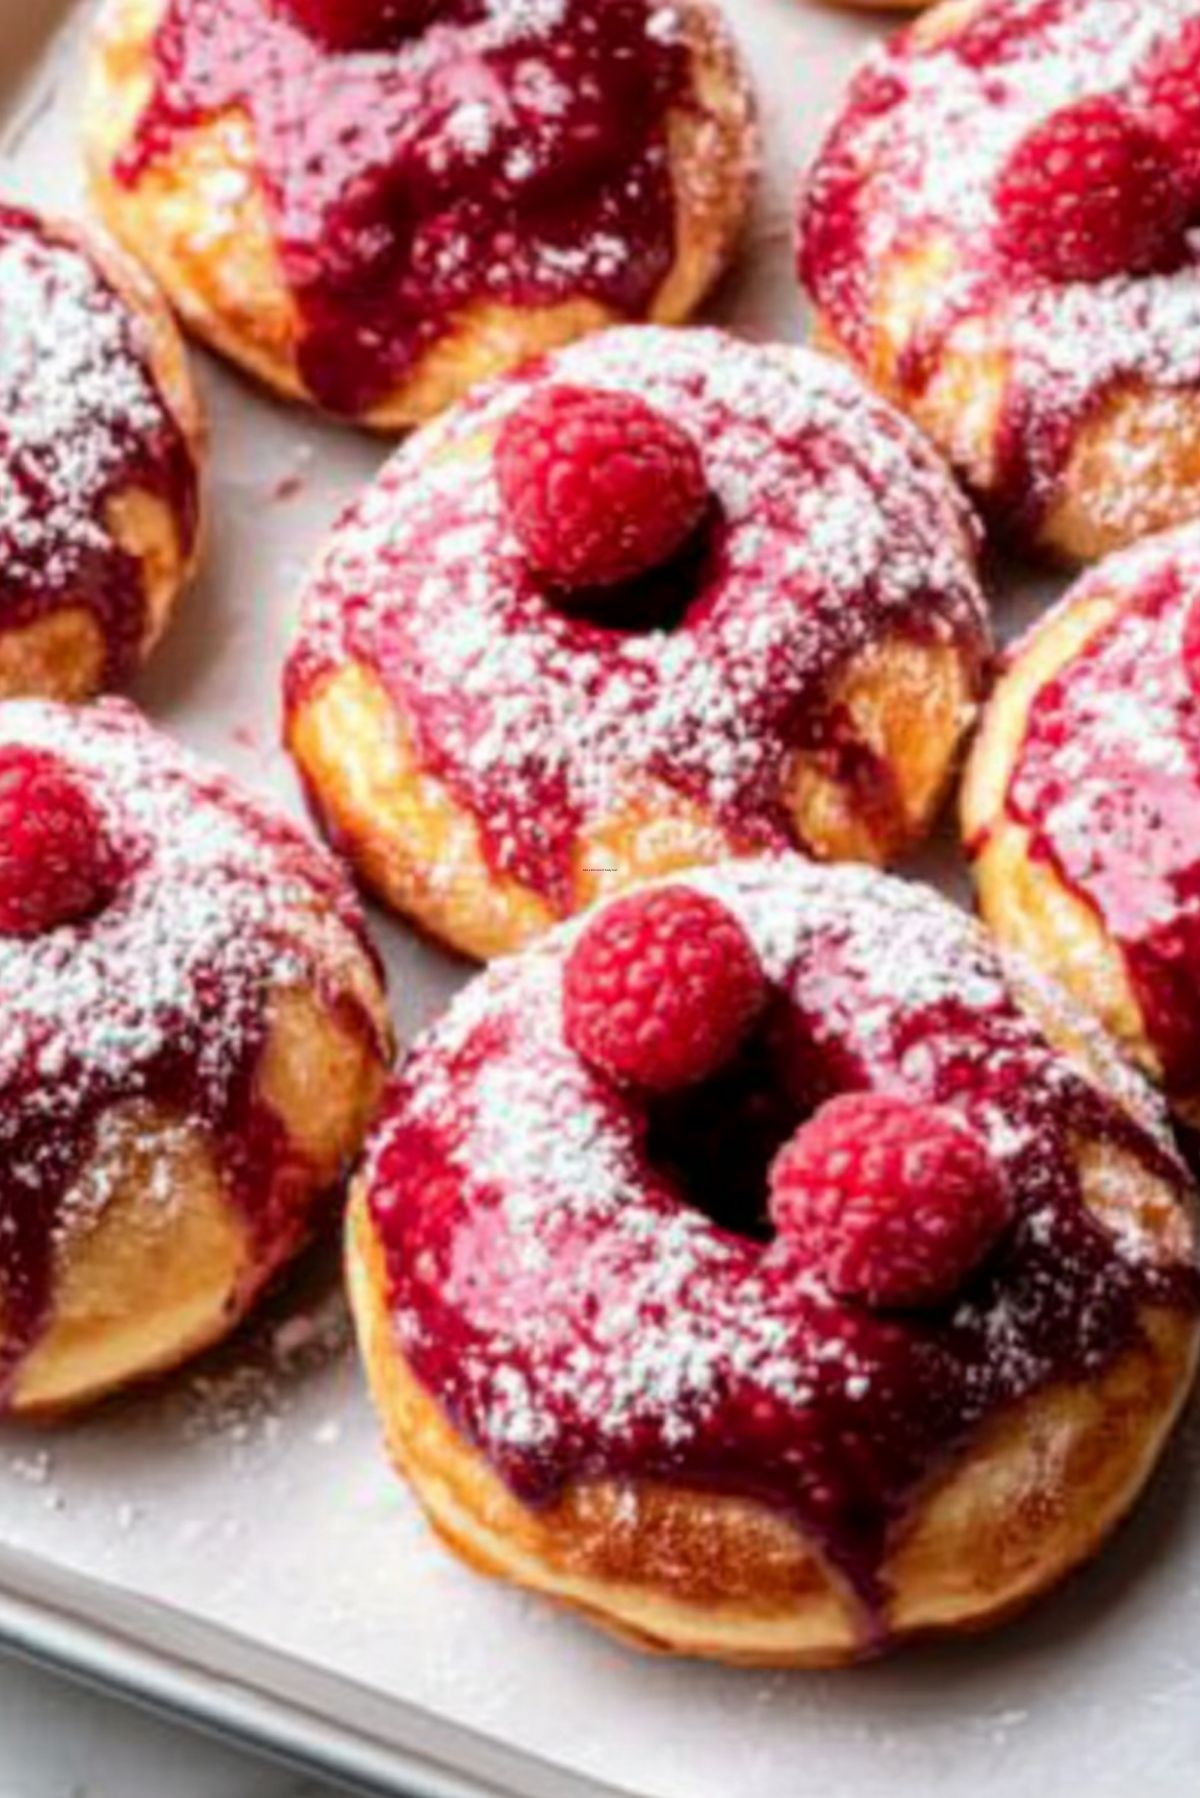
372	206
494	745
193	1040
996	231
902	1396
1081	808
100	458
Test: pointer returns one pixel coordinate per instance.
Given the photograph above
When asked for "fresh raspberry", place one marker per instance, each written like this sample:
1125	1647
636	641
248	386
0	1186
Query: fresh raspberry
1088	194
661	988
359	24
599	487
1170	91
895	1202
54	865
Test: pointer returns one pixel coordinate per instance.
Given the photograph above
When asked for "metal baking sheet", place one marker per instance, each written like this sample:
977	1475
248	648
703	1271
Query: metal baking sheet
232	1546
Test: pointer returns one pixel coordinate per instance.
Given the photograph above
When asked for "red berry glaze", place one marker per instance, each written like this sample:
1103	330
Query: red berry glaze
1088	194
599	487
55	867
359	24
895	1202
1171	101
660	989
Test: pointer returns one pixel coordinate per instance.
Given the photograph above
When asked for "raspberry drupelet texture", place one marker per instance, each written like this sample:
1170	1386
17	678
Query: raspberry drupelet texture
599	486
1091	193
55	865
896	1203
1170	100
660	989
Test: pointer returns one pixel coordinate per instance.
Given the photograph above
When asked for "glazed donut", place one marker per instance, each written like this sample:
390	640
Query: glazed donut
606	1380
193	1040
493	748
1081	808
100	458
372	206
996	232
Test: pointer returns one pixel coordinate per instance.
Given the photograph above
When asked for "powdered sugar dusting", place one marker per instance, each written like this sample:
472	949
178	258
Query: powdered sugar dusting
834	529
165	995
914	160
579	1318
82	420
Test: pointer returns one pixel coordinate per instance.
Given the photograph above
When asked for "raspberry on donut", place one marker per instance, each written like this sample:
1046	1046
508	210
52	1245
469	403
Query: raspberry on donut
790	644
1000	231
100	462
922	1400
1081	806
599	487
193	1036
373	204
55	865
1089	194
660	989
895	1203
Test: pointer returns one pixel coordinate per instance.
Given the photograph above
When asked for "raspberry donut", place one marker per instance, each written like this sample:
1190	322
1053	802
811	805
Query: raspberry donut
1082	804
372	205
193	1040
903	1394
996	231
660	597
100	455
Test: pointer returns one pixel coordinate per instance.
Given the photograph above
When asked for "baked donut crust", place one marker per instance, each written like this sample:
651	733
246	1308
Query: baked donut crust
193	1112
1070	409
110	421
200	217
706	1567
877	659
1102	904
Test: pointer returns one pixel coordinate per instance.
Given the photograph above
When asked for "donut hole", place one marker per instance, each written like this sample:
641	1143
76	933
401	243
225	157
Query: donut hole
661	599
715	1141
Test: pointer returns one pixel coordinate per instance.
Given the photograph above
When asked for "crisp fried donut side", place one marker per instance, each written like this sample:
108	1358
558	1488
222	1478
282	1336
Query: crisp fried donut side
1068	398
101	453
528	174
1081	807
491	758
186	1068
674	1426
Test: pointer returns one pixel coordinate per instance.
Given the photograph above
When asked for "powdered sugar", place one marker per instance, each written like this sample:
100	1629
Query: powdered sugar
577	1316
913	165
834	530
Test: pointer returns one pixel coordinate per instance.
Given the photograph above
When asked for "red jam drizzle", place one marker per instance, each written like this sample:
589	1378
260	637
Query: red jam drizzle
1107	783
81	422
161	999
555	1289
514	152
910	163
832	529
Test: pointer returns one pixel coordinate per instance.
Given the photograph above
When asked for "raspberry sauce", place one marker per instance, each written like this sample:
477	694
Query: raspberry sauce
554	1287
832	528
911	168
162	998
512	152
1107	782
82	421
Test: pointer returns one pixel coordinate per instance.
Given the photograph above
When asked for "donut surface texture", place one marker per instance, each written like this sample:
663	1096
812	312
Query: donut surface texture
1082	803
101	447
189	1055
372	219
492	758
674	1425
996	231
